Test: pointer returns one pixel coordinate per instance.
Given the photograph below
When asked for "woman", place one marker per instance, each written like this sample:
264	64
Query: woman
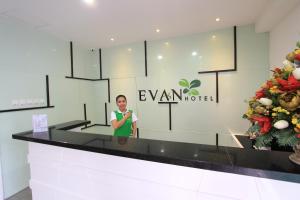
123	120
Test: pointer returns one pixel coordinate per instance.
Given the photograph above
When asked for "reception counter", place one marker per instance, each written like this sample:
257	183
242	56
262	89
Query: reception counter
73	165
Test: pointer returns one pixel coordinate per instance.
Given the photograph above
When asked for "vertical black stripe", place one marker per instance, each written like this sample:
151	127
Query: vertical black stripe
217	139
235	48
71	56
217	87
106	123
137	133
146	63
47	91
170	116
84	111
108	90
100	62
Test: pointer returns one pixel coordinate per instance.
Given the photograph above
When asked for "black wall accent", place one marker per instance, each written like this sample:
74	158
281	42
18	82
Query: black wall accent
47	91
225	70
170	111
106	120
108	90
71	56
84	113
84	79
146	62
137	133
235	48
217	87
34	108
100	63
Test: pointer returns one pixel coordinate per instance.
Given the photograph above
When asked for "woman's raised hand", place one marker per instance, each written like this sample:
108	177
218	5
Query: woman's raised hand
127	115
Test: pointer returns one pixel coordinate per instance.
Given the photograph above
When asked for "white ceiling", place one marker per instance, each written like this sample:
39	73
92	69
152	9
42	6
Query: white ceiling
130	20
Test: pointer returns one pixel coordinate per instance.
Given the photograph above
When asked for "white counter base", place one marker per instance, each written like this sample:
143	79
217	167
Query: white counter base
59	173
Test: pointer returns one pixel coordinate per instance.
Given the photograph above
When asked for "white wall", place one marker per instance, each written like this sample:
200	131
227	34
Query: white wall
26	56
283	37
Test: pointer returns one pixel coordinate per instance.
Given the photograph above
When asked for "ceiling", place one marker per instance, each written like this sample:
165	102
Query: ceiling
130	21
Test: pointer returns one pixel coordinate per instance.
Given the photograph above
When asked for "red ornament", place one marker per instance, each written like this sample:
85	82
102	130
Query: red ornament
259	94
278	70
297	57
289	85
264	123
269	84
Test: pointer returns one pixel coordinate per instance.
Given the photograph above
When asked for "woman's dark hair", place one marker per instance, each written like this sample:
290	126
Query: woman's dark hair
120	96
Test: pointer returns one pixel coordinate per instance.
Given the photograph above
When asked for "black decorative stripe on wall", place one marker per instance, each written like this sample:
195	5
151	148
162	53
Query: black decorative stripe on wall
100	63
170	112
71	55
84	113
101	76
146	62
225	70
85	118
84	79
108	90
106	120
235	48
47	91
34	108
217	87
137	133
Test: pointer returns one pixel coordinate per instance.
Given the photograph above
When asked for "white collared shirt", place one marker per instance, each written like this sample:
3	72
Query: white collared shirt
113	116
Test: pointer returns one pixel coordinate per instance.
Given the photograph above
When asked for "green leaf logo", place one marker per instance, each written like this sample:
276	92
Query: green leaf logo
189	88
184	83
193	92
195	83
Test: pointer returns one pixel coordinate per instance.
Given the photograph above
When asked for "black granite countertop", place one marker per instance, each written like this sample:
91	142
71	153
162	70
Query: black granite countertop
266	164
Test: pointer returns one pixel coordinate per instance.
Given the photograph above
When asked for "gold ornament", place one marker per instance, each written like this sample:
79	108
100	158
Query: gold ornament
289	101
290	57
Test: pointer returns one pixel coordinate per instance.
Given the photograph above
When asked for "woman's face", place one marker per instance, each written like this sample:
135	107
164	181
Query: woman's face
121	103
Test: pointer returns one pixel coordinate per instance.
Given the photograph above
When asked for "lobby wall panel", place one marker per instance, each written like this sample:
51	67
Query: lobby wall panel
172	59
125	61
85	62
26	57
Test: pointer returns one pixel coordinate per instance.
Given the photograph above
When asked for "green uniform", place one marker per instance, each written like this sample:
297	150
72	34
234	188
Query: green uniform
126	129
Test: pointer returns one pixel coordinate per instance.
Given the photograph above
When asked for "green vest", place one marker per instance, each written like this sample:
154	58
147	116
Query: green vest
126	129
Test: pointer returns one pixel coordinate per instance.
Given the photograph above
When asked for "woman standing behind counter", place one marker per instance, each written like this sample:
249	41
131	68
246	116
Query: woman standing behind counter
123	120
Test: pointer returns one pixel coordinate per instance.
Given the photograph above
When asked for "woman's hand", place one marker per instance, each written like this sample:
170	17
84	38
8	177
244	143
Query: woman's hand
127	115
116	124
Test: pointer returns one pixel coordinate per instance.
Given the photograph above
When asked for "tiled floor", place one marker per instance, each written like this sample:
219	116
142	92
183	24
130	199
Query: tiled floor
22	195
